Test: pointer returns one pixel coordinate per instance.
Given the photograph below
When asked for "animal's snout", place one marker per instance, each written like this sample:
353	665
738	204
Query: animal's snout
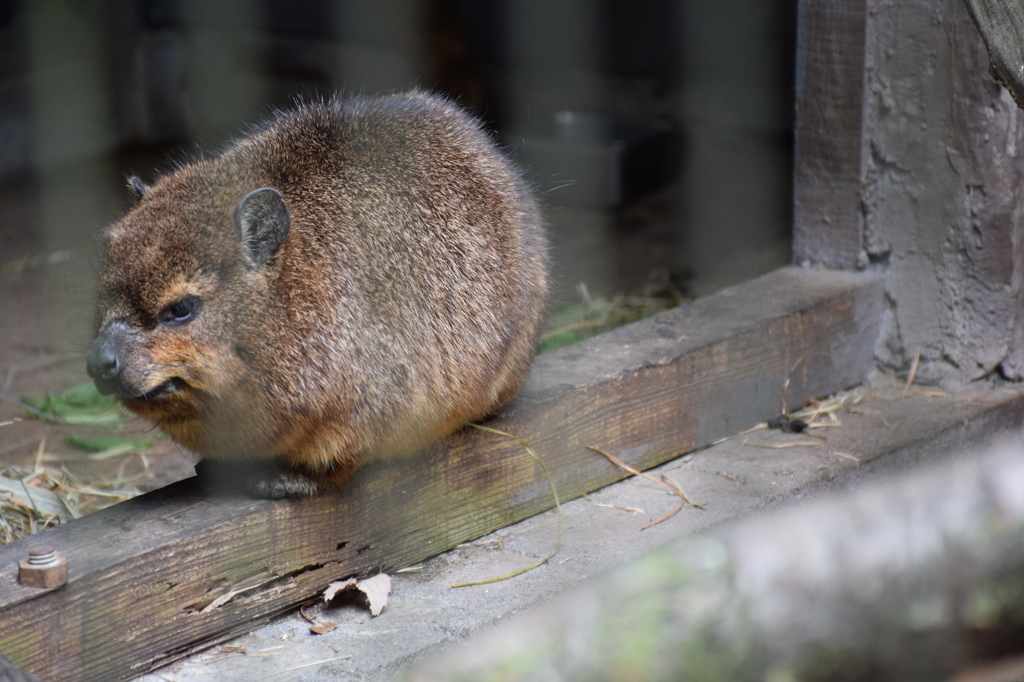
105	359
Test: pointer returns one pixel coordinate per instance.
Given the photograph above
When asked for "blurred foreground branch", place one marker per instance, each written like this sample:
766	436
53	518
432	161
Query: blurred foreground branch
914	579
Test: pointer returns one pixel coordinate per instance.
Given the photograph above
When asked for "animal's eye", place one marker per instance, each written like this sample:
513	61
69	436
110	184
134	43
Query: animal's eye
180	312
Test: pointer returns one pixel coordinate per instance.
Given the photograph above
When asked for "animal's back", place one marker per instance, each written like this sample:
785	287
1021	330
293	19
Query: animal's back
434	249
404	301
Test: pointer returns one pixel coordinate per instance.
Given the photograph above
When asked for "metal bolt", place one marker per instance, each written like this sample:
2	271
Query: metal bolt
42	556
43	568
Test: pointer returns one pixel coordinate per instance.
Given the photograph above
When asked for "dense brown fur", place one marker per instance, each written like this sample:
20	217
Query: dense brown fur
404	301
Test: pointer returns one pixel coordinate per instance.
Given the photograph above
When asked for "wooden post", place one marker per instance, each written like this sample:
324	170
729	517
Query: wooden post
910	159
828	159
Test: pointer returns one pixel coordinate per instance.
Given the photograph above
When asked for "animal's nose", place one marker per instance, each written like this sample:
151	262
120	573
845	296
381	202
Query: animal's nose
103	362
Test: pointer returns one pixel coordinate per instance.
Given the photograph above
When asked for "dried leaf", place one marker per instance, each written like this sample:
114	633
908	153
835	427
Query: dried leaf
931	393
911	375
219	601
558	508
323	627
338	586
846	456
316	627
485	542
376	590
250	583
634	510
622	465
678	488
44	502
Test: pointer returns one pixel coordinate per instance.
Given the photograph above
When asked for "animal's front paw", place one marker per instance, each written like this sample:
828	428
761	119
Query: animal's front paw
263	479
282	484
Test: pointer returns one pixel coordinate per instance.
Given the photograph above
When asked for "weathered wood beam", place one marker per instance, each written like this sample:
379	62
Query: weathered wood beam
150	578
1001	23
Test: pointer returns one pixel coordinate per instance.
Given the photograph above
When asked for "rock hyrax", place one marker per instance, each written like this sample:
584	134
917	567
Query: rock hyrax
355	279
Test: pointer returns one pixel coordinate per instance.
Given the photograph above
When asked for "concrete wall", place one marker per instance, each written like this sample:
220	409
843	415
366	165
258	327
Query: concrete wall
938	191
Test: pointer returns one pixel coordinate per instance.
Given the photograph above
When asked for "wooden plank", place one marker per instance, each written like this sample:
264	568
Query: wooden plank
143	574
735	478
829	146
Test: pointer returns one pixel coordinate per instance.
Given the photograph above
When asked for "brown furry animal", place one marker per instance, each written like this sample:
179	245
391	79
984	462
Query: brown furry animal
356	279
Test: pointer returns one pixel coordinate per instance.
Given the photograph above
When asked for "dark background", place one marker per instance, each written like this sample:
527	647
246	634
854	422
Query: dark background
660	132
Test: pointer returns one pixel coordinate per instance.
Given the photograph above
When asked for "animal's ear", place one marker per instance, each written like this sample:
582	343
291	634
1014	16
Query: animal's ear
263	221
138	188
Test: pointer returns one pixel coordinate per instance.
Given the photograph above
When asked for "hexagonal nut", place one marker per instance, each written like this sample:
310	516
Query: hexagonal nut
50	575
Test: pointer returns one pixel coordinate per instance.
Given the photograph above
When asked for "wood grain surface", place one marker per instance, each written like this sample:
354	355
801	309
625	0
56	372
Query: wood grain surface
180	569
